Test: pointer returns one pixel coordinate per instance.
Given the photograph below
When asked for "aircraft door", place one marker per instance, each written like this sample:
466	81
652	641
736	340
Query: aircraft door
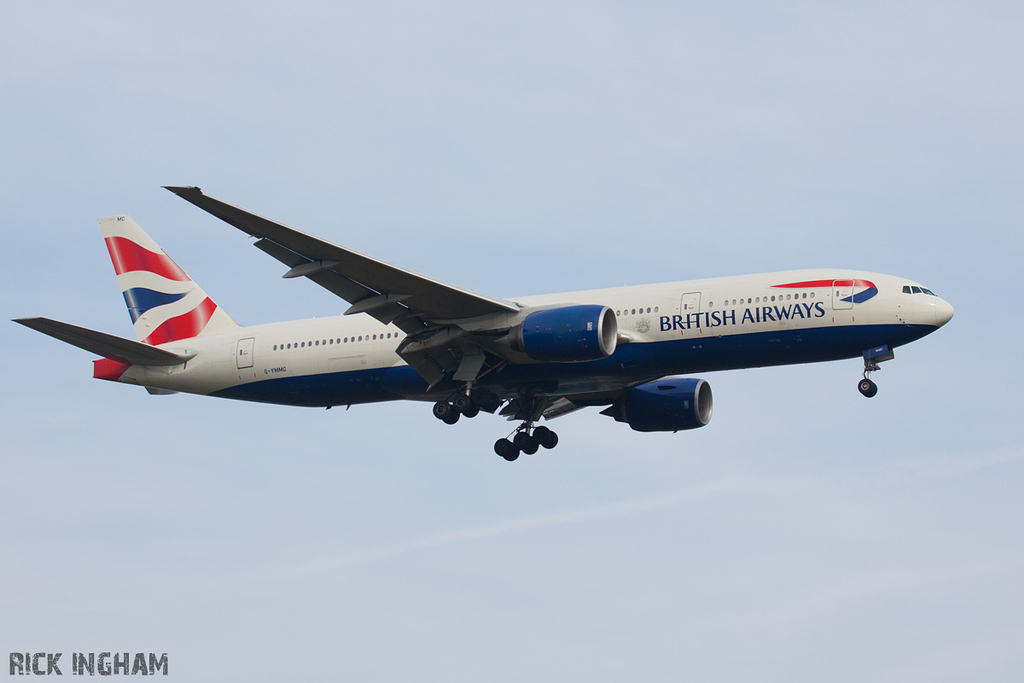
243	354
690	304
842	295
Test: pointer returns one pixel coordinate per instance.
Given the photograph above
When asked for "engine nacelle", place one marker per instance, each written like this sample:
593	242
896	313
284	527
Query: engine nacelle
567	334
667	405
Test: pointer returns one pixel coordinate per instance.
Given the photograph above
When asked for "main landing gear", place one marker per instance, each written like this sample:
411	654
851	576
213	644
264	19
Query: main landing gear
468	403
525	442
527	438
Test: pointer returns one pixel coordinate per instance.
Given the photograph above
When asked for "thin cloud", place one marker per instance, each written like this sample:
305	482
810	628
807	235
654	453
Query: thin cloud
620	509
921	468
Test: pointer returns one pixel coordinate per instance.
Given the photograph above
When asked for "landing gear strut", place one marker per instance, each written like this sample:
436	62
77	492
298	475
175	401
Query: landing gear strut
872	357
527	439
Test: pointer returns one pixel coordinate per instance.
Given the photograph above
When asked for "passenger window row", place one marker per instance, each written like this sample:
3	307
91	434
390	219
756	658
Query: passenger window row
634	311
763	299
339	340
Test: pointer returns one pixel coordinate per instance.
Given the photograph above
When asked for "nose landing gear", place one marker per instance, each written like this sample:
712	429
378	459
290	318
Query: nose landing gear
872	357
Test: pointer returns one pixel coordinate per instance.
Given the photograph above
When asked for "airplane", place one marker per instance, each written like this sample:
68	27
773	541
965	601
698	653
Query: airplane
631	350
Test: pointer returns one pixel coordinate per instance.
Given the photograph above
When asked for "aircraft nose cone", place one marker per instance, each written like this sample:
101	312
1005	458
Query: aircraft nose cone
943	312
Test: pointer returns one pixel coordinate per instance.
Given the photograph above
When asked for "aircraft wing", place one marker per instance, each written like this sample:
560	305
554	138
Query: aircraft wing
107	345
387	292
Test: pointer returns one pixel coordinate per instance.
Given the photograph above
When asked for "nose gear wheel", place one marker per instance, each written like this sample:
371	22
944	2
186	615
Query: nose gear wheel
866	386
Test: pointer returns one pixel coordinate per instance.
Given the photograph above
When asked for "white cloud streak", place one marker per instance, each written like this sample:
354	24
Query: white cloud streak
884	475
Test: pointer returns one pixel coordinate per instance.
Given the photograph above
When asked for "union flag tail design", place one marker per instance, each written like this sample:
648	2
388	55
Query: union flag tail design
164	303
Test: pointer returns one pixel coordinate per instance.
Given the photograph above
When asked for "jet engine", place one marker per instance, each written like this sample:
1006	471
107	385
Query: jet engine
567	334
666	405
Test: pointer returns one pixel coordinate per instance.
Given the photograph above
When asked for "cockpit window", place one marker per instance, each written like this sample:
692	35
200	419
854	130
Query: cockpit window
927	291
906	289
914	289
917	290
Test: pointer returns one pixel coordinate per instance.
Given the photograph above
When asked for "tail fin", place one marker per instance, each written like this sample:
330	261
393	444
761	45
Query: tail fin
164	303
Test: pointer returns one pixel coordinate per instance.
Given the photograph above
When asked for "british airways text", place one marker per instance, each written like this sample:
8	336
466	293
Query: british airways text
760	314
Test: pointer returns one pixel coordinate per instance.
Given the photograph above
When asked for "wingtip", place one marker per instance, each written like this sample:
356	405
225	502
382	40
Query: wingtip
182	190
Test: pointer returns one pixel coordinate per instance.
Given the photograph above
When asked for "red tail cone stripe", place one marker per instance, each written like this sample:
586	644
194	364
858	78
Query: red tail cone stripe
108	369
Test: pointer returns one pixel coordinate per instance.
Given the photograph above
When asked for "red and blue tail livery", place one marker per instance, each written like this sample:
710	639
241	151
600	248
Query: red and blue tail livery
164	303
408	336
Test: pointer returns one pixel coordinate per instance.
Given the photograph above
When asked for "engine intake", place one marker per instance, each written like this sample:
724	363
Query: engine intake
567	334
667	405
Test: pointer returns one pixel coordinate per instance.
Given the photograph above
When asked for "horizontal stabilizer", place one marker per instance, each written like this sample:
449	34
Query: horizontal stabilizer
107	345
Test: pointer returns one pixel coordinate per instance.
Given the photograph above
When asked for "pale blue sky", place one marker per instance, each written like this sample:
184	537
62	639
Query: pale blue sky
806	534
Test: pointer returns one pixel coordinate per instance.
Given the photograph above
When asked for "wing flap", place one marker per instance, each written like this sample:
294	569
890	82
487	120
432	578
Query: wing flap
559	407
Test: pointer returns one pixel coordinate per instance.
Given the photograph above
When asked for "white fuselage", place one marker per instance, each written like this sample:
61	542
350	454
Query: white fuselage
812	312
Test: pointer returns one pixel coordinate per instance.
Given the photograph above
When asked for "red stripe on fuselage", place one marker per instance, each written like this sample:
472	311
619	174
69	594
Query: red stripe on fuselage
184	326
127	256
828	283
811	283
108	369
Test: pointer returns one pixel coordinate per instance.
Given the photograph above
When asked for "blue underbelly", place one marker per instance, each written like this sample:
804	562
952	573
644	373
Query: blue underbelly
630	364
